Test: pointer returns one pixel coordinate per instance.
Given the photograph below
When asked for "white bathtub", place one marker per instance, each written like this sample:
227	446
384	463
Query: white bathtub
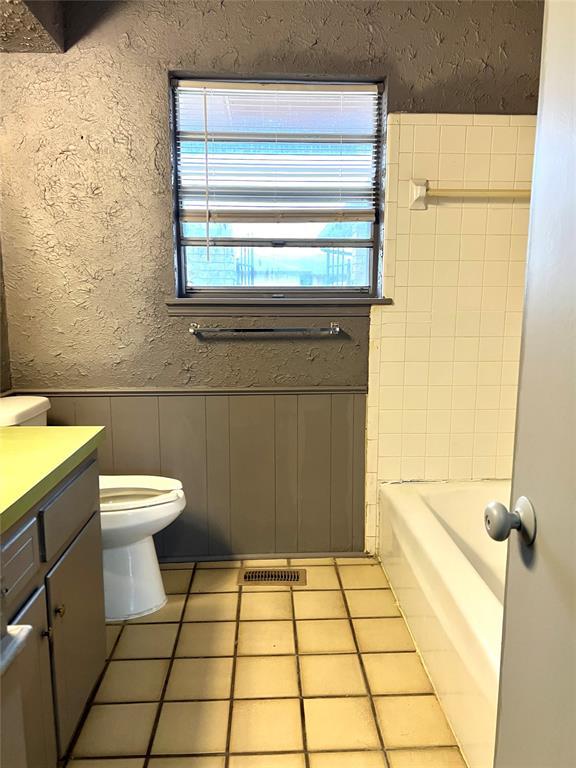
448	576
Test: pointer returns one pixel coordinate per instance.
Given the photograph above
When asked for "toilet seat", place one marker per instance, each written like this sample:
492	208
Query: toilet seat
124	492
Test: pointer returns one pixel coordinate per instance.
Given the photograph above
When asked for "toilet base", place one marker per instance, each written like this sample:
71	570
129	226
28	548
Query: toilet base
132	582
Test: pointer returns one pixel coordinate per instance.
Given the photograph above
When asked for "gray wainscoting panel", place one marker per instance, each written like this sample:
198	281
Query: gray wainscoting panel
218	474
135	435
286	472
183	456
314	472
342	480
358	472
262	473
252	474
97	410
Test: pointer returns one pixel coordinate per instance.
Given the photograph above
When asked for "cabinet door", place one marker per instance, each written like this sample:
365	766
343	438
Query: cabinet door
36	685
76	612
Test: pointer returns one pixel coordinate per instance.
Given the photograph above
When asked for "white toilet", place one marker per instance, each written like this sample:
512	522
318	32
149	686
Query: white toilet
132	509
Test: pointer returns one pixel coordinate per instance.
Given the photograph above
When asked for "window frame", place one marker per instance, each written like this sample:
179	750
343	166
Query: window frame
280	294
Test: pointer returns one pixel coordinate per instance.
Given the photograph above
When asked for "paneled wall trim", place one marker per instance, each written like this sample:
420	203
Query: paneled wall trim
444	359
262	473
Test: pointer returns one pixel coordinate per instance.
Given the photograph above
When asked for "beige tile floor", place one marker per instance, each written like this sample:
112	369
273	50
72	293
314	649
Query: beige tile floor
322	676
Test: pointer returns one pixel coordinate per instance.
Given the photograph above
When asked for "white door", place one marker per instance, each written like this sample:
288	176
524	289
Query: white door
537	712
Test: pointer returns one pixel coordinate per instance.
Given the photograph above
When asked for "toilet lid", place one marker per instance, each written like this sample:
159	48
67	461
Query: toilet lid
118	492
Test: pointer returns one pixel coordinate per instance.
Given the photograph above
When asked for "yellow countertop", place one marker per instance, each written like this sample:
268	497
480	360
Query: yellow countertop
33	460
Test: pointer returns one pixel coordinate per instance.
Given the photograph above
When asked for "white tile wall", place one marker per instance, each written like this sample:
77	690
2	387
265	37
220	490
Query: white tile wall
444	358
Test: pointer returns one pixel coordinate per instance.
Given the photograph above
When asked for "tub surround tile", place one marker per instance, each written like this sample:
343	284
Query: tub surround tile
450	269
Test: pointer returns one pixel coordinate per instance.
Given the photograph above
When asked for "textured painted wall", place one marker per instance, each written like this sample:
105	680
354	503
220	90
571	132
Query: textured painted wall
4	349
86	194
36	26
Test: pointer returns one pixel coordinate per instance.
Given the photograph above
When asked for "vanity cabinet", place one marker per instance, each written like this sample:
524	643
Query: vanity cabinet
76	613
52	580
36	685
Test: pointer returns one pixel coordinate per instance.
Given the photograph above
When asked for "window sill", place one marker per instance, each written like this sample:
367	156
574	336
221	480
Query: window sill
264	307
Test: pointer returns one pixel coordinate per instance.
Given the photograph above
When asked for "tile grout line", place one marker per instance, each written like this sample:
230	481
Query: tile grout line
168	674
262	698
233	678
363	670
201	755
299	681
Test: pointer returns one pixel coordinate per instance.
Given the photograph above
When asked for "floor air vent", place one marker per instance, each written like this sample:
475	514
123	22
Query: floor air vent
290	576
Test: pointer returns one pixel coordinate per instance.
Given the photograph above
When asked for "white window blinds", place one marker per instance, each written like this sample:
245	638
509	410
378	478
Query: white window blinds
263	152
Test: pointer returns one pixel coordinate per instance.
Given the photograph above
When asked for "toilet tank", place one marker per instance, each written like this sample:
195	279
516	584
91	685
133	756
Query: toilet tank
23	411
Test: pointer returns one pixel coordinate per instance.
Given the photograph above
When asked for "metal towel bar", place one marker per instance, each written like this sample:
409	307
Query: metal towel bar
333	330
420	192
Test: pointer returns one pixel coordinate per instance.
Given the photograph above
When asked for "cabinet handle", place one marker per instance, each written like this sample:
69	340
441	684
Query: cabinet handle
60	610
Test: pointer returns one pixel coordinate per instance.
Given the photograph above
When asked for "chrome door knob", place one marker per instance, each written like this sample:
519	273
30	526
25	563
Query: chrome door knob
499	521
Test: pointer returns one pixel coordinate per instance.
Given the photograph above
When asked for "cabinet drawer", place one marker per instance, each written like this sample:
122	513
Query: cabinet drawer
20	559
63	516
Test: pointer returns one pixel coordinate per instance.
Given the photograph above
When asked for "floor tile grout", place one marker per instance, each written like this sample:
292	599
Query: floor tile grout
156	722
233	679
364	675
299	681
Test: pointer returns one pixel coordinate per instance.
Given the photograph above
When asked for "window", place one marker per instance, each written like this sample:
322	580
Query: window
277	188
